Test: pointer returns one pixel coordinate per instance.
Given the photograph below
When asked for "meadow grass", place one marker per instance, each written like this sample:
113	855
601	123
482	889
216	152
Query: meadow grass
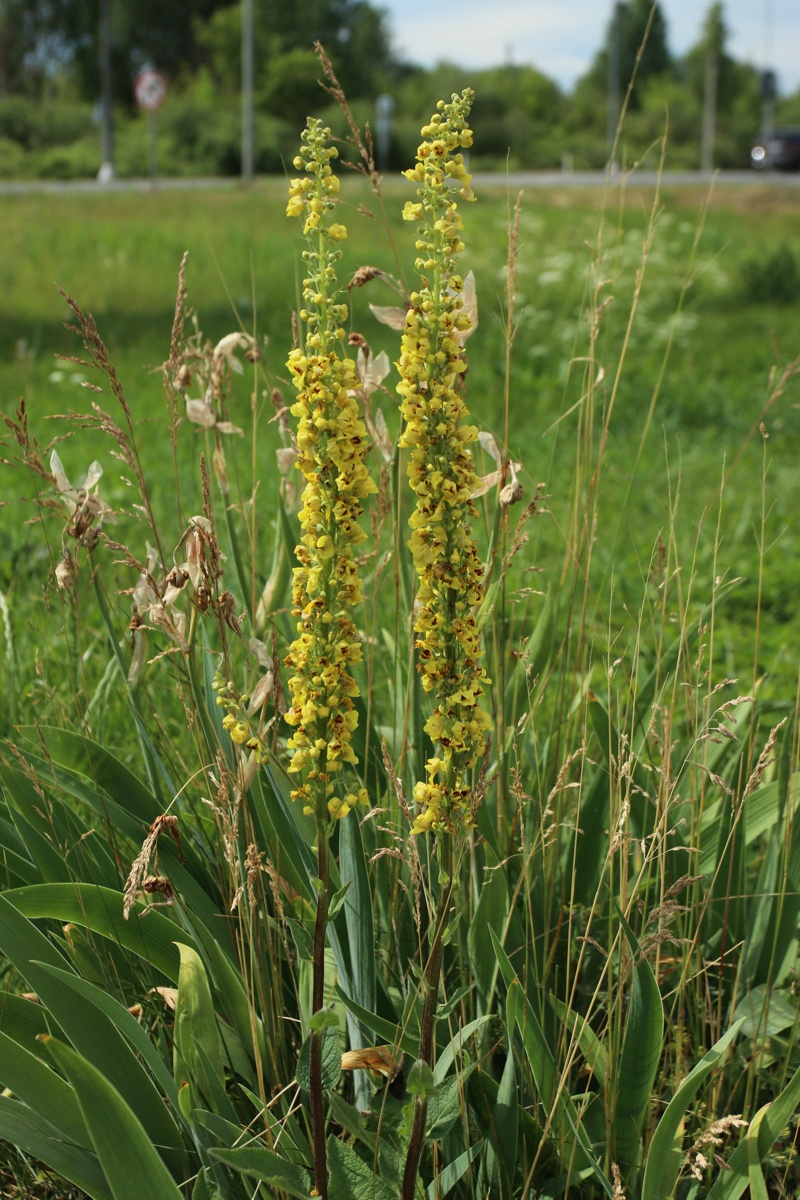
627	902
710	364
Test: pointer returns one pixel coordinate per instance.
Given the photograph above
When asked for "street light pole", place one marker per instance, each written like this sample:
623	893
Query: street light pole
247	92
107	121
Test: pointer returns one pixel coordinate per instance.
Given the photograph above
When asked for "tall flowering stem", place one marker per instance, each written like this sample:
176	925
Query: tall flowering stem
331	442
441	473
442	476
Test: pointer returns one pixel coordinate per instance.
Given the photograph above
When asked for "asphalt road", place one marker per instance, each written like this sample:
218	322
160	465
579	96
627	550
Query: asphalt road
516	180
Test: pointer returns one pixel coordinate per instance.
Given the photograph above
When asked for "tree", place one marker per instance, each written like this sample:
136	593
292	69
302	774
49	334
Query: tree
624	36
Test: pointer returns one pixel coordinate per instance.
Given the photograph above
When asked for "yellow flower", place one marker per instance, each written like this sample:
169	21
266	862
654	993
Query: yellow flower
442	476
331	443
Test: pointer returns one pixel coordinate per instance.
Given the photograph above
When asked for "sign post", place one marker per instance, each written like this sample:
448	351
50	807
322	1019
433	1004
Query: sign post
150	90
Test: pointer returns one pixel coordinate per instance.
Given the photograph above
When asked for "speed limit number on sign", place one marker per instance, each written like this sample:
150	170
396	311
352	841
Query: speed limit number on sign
150	89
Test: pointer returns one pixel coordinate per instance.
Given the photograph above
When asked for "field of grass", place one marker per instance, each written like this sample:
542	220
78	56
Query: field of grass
593	982
689	392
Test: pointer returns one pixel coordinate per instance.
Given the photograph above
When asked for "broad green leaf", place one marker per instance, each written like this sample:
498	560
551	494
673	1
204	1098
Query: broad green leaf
730	1183
331	1060
196	1028
89	1030
641	1051
350	1176
152	938
204	1186
42	1090
125	1022
258	1162
665	1156
34	1135
132	1165
446	1105
765	1012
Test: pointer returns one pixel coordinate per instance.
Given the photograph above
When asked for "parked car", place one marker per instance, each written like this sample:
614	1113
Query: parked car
777	151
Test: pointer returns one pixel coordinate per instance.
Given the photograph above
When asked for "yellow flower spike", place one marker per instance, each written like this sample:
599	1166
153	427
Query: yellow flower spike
331	443
442	475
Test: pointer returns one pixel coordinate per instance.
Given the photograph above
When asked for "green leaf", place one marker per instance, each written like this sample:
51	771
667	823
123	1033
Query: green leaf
204	1186
127	1155
34	1135
446	1105
258	1162
91	1032
42	1090
490	917
730	1183
450	1175
350	1176
572	1143
765	1012
331	1060
641	1052
506	1124
360	936
386	1030
125	1022
755	1176
196	1029
456	1045
420	1081
665	1156
100	909
324	1018
593	1050
337	900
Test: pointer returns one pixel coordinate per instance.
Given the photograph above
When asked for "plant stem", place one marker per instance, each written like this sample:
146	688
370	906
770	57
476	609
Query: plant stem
317	1001
432	973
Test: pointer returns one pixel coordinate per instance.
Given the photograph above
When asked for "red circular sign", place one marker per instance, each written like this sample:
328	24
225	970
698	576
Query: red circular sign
150	89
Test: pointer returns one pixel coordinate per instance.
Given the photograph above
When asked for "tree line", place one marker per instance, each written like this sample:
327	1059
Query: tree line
50	81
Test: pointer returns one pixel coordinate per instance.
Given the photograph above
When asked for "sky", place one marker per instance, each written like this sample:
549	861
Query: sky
561	37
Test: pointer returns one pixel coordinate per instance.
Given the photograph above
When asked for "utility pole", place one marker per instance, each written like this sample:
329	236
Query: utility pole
107	121
709	109
247	92
615	35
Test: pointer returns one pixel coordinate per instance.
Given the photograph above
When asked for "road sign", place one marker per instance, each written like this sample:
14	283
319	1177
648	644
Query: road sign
150	89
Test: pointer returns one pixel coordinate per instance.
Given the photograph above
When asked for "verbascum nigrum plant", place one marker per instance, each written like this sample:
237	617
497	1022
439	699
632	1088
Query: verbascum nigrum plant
442	475
331	443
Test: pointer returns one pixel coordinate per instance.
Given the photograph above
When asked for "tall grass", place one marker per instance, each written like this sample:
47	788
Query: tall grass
613	1009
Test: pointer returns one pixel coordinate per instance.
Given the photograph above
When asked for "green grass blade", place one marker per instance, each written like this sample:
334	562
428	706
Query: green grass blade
755	1176
641	1051
665	1157
130	1161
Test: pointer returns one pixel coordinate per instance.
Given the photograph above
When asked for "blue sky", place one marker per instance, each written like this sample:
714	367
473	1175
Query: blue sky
560	37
